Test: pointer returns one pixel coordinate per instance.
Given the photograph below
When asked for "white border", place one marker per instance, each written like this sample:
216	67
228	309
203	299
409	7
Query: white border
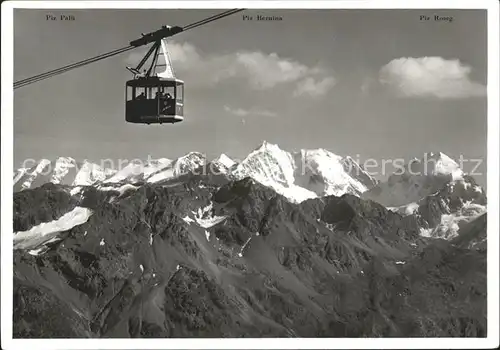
265	343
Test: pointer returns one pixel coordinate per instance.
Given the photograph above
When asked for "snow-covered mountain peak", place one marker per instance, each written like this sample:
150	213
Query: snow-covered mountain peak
62	167
190	162
275	168
89	173
139	171
420	178
42	164
436	155
158	162
358	172
332	163
130	172
63	170
266	164
155	164
320	156
65	160
266	145
172	169
446	165
223	163
435	164
24	179
304	174
192	154
318	152
224	160
325	173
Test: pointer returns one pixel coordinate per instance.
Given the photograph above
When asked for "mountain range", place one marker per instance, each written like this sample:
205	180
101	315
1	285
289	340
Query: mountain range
298	176
281	244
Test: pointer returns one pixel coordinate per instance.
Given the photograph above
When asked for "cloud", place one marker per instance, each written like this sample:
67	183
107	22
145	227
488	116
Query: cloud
314	88
259	70
240	112
430	77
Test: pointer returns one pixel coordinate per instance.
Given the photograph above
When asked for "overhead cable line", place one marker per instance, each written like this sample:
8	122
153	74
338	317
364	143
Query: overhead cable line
58	71
211	19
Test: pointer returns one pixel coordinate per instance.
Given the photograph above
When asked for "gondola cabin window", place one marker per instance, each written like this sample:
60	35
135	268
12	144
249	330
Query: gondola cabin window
179	98
180	93
154	101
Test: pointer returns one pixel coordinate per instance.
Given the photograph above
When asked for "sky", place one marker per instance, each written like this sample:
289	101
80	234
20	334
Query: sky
372	84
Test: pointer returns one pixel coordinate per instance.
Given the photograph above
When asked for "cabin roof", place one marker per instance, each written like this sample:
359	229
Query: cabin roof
154	81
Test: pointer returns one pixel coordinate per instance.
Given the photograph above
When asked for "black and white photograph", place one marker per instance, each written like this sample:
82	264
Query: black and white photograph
304	175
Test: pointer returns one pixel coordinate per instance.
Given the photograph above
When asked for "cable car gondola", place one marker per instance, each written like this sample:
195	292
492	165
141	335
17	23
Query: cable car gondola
152	97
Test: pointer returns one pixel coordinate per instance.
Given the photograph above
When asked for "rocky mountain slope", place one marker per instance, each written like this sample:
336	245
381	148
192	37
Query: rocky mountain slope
230	254
435	190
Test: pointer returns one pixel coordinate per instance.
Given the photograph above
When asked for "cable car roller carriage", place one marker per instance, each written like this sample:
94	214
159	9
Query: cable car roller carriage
154	96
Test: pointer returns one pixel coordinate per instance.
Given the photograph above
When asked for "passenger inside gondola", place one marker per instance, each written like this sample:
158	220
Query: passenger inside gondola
165	100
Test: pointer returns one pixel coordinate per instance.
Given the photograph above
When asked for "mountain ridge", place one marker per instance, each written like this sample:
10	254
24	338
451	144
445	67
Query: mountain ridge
158	170
194	258
423	189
